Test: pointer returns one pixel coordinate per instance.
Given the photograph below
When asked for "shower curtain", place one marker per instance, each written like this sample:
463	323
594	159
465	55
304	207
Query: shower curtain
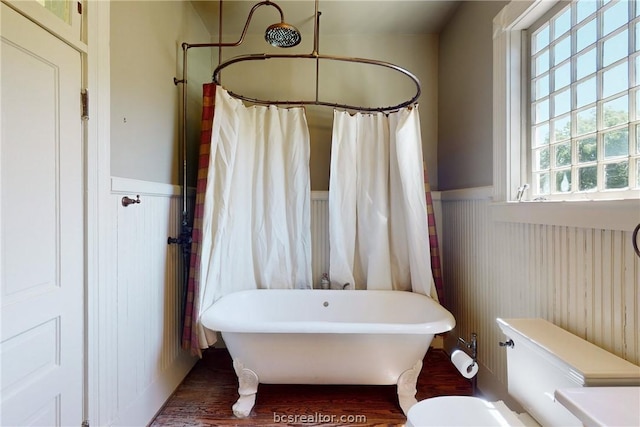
378	219
190	323
256	226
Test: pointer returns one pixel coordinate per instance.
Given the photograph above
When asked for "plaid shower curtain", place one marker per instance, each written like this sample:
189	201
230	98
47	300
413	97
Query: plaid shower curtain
189	332
436	268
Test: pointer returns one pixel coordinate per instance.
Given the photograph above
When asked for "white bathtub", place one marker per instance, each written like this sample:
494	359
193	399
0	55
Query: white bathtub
292	336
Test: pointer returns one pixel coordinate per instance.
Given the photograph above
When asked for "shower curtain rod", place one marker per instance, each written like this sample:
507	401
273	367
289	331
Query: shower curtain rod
315	55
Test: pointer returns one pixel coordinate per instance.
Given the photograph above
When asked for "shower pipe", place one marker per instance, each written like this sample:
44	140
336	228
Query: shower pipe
317	56
185	239
185	236
256	57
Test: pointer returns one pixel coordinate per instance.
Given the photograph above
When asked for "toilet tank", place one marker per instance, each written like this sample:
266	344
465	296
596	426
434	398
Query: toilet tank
545	357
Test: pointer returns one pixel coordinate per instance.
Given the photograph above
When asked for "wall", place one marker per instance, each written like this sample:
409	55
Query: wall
579	273
584	279
465	97
146	55
140	358
143	353
343	83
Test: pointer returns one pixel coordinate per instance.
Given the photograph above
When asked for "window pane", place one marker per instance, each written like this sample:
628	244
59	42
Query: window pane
616	112
585	96
615	48
563	181
561	50
563	154
586	121
540	39
616	143
562	23
562	128
562	76
60	8
541	135
586	92
586	35
588	150
542	183
615	80
541	87
586	63
588	178
561	102
616	175
541	63
584	9
615	16
542	160
541	111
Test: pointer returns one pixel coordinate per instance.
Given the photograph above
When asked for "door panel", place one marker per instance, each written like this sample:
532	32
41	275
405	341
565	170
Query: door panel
41	215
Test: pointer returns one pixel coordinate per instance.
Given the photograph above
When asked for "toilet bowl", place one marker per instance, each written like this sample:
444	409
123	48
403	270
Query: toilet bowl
541	358
461	411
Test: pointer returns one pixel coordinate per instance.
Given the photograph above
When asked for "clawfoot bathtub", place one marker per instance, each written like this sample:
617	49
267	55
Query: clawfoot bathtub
290	336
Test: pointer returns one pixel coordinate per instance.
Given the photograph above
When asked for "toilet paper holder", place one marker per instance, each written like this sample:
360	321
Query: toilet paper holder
472	345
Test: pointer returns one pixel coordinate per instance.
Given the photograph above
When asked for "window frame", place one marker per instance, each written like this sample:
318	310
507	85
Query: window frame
599	192
510	149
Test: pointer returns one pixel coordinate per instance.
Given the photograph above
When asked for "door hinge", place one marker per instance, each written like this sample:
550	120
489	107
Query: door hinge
84	99
80	8
85	423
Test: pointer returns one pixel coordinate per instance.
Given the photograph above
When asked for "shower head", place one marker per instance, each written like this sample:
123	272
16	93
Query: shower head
282	35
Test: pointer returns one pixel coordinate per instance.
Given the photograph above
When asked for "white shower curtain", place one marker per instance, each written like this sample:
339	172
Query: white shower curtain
378	230
256	219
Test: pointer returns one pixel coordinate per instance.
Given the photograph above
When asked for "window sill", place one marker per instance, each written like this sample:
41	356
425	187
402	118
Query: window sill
621	215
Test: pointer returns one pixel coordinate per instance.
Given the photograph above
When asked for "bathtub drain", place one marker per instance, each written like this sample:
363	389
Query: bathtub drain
326	303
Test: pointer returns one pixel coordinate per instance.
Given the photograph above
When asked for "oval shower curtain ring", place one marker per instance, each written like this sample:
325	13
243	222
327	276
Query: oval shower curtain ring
634	240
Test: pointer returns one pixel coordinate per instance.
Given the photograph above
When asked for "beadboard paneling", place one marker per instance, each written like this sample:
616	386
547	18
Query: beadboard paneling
146	297
319	235
584	280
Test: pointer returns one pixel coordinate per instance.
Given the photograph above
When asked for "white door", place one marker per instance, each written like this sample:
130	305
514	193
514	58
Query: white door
41	216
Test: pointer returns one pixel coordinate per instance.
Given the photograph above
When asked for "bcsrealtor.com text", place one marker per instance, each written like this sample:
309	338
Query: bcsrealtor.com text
318	417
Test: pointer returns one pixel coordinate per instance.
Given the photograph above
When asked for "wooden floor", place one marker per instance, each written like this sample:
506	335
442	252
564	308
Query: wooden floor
206	395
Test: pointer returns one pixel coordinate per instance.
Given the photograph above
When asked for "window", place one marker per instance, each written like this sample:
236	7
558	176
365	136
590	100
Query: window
583	108
60	8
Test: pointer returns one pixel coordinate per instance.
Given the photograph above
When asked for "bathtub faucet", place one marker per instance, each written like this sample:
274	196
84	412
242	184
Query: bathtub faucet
345	286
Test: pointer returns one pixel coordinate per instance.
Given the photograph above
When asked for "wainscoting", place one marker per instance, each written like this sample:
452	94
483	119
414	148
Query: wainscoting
319	235
585	280
142	307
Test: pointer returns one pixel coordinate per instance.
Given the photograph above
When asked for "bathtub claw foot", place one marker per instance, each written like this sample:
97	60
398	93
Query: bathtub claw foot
407	387
247	389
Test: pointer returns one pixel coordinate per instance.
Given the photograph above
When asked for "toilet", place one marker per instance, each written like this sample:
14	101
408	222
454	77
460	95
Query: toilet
541	358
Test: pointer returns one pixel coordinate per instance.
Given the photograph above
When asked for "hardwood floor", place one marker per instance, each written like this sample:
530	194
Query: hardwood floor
206	395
